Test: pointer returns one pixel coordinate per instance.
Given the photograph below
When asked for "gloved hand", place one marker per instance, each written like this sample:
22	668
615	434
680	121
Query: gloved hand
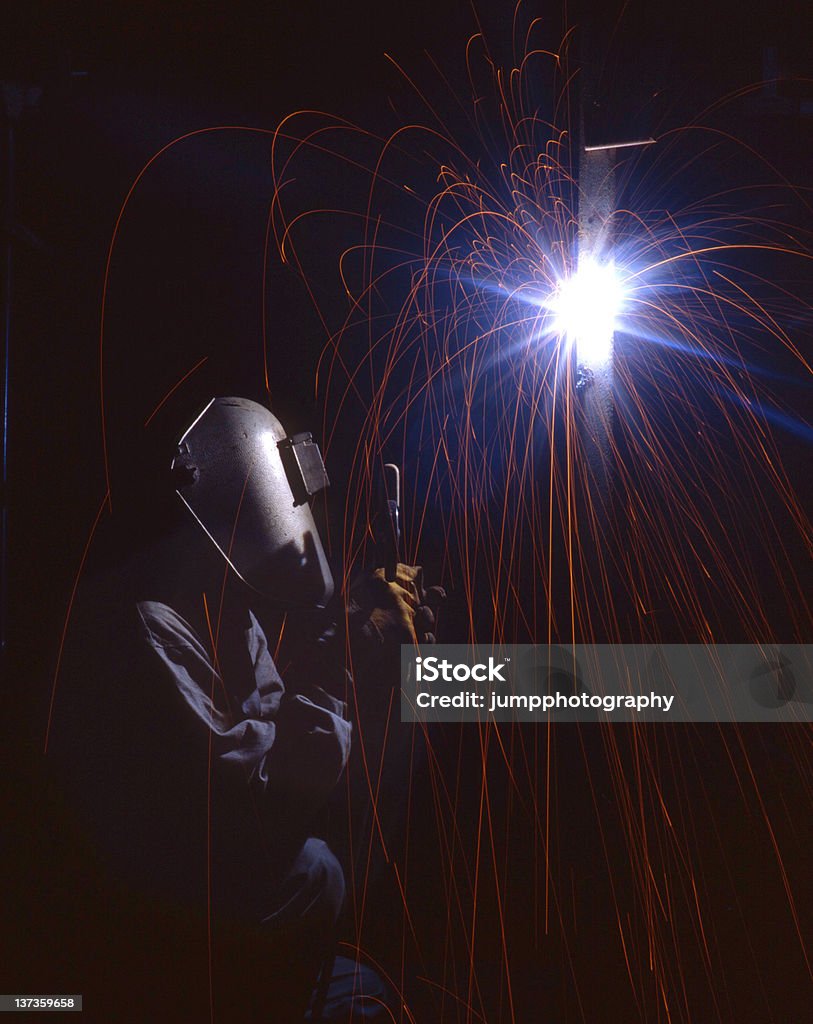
382	615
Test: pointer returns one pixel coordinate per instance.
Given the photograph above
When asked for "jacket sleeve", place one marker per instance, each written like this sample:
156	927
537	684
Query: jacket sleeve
293	747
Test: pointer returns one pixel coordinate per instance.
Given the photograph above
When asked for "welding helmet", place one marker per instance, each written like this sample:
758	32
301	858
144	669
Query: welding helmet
248	486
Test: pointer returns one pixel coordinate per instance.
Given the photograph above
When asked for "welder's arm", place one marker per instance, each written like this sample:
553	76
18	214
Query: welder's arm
307	737
286	746
309	750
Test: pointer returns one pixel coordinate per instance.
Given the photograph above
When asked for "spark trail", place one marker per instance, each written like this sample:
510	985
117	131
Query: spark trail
451	357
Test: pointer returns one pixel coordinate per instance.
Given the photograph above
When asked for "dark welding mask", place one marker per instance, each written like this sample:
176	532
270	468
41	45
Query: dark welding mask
248	486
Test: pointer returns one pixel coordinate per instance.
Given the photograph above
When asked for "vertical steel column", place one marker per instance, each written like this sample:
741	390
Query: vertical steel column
597	203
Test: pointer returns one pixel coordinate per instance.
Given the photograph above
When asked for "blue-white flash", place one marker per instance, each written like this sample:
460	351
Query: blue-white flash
586	307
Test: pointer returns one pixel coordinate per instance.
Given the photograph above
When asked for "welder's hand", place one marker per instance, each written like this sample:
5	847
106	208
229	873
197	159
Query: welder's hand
429	601
384	614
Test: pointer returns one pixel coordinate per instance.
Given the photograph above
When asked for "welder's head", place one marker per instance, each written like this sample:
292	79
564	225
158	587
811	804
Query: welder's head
248	486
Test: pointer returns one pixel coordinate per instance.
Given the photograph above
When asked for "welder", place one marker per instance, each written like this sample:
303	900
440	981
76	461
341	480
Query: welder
199	773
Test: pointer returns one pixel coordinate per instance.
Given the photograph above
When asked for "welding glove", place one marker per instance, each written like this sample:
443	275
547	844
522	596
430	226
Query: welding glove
382	613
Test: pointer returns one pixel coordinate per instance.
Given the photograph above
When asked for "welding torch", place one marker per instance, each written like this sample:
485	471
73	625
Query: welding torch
386	521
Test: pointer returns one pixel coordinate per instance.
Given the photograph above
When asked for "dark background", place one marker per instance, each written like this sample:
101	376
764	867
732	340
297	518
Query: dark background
119	81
